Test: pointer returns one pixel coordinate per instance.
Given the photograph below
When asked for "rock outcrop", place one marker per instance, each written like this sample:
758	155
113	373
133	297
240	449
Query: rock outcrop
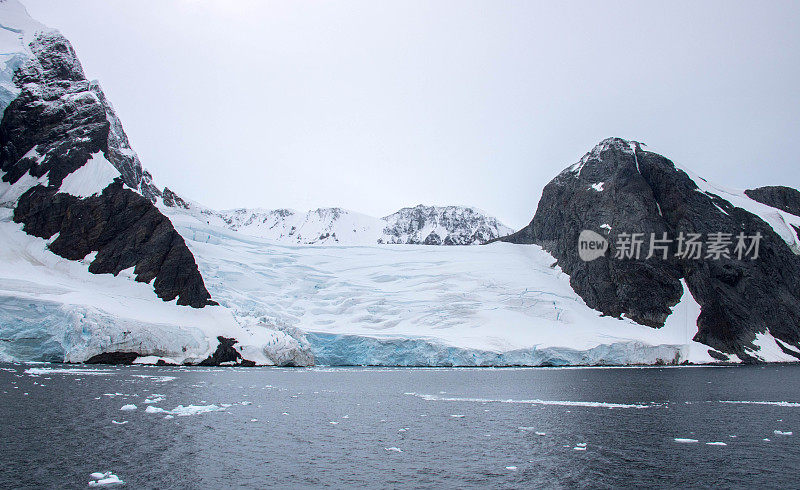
619	189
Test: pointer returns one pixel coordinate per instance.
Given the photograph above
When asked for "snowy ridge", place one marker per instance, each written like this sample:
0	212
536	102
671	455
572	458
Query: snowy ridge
429	225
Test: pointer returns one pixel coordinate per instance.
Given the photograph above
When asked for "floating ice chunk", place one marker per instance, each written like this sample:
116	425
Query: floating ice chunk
541	433
766	439
581	444
394	449
169	416
579	448
457	415
716	444
119	423
128	407
182	411
781	433
104	479
333	423
598	186
154	398
225	405
253	420
511	468
683	440
246	403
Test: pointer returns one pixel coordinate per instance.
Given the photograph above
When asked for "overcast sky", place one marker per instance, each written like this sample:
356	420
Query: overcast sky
375	105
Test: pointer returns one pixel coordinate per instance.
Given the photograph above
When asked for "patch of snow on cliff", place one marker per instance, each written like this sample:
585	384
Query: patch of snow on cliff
90	179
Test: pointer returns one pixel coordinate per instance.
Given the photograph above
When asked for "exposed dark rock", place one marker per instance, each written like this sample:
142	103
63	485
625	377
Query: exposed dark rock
113	358
226	353
173	200
630	190
58	121
777	196
125	229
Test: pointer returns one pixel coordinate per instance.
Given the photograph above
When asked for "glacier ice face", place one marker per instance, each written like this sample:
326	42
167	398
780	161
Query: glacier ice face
349	350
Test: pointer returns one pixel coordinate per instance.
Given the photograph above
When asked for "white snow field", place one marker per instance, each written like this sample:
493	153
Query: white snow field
417	305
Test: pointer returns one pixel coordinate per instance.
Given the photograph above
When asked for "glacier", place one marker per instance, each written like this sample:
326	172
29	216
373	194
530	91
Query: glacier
414	305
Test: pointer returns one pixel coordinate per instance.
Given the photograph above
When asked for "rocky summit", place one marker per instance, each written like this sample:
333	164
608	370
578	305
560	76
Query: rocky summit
619	189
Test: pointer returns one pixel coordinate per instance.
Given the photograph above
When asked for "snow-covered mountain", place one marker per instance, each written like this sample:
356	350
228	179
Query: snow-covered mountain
420	225
97	264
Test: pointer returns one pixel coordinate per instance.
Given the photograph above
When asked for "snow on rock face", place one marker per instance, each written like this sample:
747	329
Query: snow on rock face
420	225
91	178
17	29
450	225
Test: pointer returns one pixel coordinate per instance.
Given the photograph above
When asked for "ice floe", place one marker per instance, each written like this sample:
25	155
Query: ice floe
184	411
394	449
716	444
782	433
104	479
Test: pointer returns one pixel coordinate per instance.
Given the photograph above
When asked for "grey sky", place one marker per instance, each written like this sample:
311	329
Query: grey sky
374	105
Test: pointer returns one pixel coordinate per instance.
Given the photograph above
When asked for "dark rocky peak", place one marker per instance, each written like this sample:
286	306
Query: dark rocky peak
619	188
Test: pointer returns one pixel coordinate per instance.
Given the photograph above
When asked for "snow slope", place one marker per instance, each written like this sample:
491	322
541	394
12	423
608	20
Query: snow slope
499	304
53	309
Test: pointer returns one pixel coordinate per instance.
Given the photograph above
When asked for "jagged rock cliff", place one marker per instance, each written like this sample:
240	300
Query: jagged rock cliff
619	189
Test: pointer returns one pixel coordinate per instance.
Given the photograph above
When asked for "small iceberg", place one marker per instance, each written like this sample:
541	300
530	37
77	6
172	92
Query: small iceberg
683	440
781	433
119	423
716	444
128	407
511	468
394	449
104	479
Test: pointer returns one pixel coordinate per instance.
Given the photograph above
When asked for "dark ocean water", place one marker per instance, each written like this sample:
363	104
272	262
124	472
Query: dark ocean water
429	428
